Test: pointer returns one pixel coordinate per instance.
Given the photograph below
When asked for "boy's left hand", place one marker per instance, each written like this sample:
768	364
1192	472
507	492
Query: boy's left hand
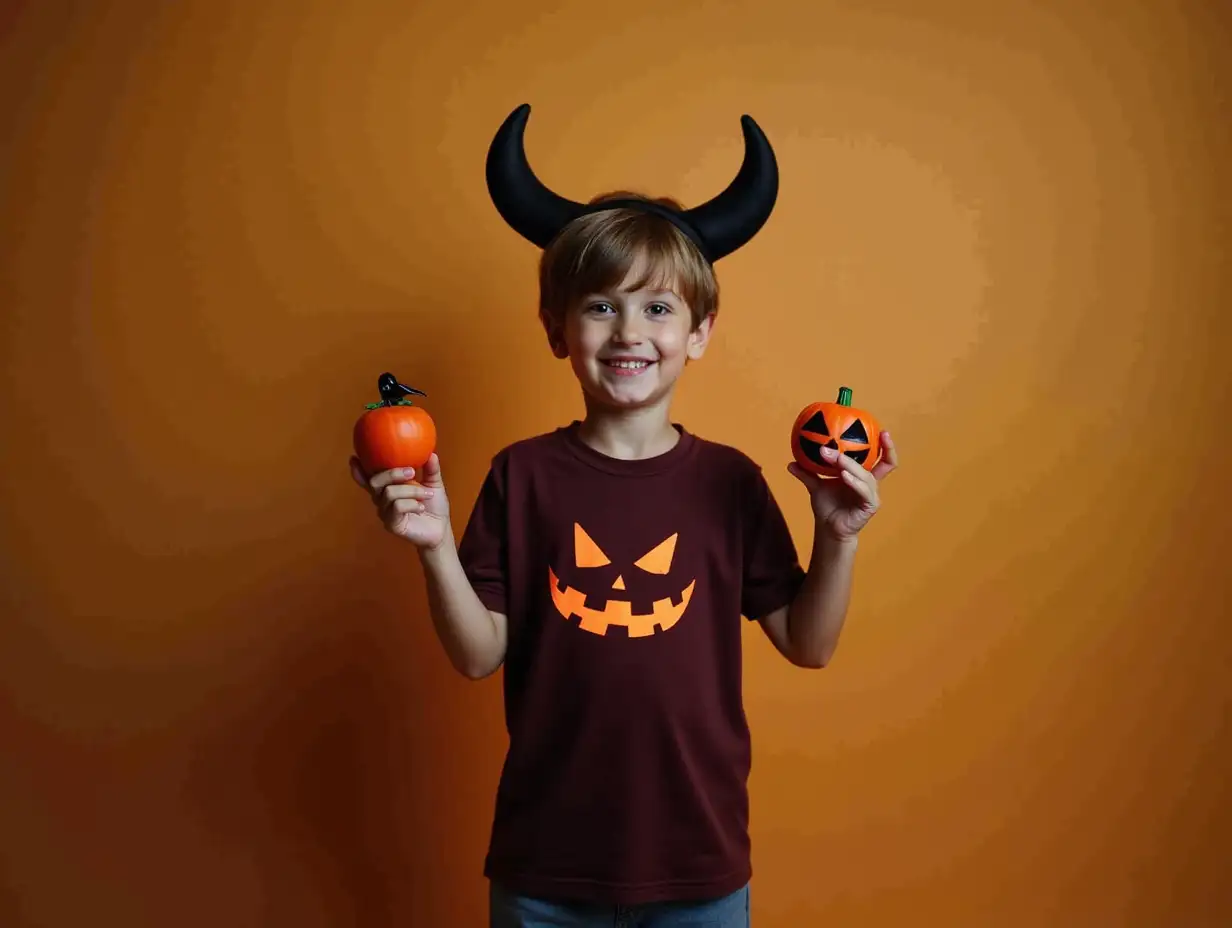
843	505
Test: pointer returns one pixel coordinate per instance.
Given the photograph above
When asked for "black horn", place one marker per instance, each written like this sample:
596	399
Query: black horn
737	214
718	227
534	211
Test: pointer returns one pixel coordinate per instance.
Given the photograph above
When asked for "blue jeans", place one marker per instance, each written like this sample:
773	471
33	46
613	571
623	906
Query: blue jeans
511	911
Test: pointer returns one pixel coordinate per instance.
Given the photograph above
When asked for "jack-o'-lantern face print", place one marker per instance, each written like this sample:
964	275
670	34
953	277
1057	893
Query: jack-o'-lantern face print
643	597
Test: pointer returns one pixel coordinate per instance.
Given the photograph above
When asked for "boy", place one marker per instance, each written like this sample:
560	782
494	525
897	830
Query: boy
606	566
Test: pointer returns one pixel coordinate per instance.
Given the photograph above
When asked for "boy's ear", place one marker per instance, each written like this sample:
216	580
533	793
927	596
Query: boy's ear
556	335
699	338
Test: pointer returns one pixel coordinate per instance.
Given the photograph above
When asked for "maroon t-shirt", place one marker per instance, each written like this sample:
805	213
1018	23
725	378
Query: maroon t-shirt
624	583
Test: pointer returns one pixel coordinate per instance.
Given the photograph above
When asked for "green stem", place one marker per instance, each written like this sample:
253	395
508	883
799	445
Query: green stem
844	396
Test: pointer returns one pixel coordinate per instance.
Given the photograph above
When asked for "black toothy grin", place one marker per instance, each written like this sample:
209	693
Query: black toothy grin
812	450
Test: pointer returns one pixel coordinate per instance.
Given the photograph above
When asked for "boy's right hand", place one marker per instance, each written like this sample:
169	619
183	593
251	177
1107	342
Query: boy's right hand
417	512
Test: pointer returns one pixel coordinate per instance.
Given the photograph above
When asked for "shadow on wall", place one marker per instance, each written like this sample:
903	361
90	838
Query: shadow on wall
351	765
333	765
249	721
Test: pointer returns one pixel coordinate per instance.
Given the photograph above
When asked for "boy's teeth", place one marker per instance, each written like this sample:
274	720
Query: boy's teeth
628	364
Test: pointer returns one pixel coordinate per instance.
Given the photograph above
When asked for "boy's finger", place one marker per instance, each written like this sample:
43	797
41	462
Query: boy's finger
406	491
865	488
849	465
357	473
386	477
803	476
889	457
432	471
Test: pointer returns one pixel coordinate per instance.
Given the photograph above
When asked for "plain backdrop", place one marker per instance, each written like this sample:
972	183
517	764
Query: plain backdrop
1005	225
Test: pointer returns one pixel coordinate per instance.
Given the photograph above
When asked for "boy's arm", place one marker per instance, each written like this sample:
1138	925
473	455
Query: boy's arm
806	632
473	636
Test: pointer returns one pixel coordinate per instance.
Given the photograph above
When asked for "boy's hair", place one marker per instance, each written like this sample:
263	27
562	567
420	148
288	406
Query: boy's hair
596	251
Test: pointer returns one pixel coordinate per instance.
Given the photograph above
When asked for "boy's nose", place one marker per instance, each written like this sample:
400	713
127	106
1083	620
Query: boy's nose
627	333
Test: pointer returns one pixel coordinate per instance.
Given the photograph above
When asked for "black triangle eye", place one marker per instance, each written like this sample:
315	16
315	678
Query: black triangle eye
811	450
858	456
855	432
817	425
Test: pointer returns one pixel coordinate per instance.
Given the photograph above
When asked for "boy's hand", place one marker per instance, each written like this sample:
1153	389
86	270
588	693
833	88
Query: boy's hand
417	512
844	505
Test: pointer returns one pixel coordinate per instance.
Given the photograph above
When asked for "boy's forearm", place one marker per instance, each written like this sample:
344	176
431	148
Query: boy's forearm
816	616
466	628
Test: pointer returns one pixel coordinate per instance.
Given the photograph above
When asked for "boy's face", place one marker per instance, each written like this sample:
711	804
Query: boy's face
628	347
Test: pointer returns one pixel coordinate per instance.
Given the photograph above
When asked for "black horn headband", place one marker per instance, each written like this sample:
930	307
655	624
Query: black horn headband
717	227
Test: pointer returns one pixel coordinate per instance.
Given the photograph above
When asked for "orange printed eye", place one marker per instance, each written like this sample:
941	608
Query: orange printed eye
586	551
659	561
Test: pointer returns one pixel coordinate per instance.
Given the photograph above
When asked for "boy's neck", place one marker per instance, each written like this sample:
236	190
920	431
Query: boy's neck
629	435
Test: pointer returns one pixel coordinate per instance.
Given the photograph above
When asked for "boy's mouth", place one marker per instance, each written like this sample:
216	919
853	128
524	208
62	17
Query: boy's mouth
627	367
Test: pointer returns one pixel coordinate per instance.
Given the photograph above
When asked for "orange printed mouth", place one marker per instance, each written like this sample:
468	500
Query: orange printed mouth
664	614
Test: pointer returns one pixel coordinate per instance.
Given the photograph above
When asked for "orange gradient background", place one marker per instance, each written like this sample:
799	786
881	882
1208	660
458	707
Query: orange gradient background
1004	225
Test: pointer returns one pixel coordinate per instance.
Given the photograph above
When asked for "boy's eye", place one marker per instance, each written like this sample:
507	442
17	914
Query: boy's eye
600	307
658	309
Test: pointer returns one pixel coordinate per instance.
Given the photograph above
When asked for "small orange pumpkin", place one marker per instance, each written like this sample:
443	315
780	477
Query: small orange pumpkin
852	431
394	432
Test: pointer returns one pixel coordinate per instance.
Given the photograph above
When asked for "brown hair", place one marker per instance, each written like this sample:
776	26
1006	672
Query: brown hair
595	252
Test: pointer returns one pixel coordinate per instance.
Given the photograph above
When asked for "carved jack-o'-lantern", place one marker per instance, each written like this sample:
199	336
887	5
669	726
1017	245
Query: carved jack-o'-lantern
641	597
839	425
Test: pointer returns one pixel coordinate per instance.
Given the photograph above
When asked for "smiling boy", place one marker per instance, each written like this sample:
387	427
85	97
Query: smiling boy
606	566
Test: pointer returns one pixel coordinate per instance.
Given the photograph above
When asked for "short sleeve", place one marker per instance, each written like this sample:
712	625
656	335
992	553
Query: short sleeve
772	571
482	549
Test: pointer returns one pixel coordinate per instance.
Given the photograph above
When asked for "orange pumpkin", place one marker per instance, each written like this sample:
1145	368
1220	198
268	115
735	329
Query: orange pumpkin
394	432
852	431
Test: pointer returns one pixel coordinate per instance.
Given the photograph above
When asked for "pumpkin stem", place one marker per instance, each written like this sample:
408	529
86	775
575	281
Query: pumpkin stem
844	396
